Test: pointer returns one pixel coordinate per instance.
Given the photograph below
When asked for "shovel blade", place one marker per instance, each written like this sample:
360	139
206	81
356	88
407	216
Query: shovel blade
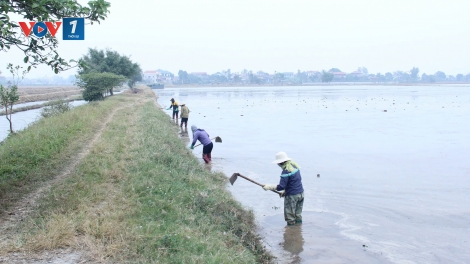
233	178
218	139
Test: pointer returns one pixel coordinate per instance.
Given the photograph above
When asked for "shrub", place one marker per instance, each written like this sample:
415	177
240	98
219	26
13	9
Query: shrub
55	108
96	85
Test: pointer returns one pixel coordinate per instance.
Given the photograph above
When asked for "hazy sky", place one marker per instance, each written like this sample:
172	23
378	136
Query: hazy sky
381	35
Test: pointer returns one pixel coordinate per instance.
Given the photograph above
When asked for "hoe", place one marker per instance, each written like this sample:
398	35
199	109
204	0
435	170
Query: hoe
236	175
217	139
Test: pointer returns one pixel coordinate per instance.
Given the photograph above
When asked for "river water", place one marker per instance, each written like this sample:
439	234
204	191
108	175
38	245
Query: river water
22	120
393	165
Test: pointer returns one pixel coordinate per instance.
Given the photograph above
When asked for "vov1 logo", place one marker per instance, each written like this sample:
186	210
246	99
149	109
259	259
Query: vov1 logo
73	28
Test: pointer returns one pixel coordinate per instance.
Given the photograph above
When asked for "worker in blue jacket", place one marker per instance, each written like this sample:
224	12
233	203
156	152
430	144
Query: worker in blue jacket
291	188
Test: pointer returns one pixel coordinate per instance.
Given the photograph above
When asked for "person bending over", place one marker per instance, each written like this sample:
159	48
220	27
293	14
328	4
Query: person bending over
201	135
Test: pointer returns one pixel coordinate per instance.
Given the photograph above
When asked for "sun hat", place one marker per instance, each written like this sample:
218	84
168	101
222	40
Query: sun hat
281	157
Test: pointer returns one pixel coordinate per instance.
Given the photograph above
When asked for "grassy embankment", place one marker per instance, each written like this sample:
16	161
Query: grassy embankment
140	196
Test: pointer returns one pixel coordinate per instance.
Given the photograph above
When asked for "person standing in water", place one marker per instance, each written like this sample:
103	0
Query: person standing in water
174	105
290	185
201	135
184	115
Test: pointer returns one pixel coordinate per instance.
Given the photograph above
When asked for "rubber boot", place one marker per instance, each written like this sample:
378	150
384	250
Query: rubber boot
205	158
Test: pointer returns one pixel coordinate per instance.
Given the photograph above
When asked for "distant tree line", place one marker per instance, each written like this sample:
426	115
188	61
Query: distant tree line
333	75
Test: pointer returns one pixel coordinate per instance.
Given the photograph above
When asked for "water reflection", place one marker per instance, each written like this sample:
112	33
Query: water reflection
184	132
208	166
184	135
294	241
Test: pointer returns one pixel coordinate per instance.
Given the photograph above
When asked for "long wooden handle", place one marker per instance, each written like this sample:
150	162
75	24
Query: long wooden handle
201	143
248	179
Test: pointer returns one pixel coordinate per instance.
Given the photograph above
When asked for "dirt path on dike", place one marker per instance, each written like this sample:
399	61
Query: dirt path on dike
23	207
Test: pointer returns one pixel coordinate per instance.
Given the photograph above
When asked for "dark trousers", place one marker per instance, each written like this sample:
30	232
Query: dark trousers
206	152
175	113
185	121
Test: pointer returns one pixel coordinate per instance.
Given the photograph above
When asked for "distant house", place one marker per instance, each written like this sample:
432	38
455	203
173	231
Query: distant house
165	76
219	74
339	75
150	76
288	75
356	74
158	76
264	77
312	73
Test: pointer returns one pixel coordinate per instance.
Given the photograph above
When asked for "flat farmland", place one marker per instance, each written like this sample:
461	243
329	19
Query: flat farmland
46	93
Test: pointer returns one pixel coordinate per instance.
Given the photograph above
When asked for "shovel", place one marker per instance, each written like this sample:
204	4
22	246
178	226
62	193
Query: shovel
217	139
235	176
